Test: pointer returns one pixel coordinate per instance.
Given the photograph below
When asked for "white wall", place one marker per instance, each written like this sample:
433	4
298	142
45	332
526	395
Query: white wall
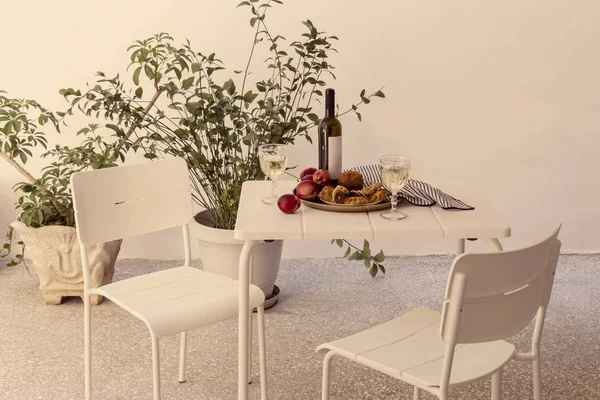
504	94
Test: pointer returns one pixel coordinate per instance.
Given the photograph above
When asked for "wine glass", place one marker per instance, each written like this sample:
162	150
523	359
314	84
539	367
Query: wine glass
394	176
273	161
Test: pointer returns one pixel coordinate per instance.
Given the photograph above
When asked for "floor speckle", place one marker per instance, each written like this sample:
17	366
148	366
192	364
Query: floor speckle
41	347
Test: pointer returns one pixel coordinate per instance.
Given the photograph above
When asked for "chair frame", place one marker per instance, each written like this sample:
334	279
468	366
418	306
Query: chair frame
89	292
450	327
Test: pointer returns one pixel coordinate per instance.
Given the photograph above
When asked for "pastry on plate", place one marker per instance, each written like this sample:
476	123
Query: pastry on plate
357	193
326	194
368	191
340	193
378	196
356	200
351	180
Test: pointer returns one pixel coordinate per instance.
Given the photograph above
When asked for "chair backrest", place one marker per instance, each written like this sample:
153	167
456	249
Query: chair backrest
130	200
491	296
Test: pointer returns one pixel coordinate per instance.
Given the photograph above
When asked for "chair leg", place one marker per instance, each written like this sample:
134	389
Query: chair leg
155	367
262	352
443	395
417	395
326	375
497	385
87	333
250	347
537	378
182	354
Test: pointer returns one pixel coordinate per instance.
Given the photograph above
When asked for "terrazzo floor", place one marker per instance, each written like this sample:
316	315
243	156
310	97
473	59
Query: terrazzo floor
41	347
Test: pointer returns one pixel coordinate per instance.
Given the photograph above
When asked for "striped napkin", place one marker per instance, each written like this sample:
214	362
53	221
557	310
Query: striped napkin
415	192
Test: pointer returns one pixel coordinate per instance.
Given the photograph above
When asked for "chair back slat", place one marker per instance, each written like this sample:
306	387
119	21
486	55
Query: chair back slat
503	291
131	200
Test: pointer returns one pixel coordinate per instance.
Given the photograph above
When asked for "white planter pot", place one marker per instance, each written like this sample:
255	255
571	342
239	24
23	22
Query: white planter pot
56	255
220	254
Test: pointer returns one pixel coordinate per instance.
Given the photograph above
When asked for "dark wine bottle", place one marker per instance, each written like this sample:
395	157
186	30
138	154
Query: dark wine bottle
330	139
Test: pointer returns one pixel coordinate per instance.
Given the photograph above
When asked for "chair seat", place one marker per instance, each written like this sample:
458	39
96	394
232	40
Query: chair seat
179	299
410	348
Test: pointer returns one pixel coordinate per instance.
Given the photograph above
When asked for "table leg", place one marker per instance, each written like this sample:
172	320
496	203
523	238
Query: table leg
251	274
244	318
494	244
460	246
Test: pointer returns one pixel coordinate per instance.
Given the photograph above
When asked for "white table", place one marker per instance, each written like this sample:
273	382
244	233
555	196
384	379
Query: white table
257	221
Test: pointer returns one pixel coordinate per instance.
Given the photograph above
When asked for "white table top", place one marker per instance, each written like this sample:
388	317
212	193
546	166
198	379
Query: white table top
258	221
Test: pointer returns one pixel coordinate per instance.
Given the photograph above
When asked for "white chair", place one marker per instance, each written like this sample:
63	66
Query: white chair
131	200
489	297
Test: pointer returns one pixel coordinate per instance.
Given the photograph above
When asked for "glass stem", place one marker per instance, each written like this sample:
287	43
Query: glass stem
273	187
394	201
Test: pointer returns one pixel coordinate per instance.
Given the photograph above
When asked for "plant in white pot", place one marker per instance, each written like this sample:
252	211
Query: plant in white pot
46	217
217	124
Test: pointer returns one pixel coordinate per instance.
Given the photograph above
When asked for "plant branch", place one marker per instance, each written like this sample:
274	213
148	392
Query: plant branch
32	180
133	127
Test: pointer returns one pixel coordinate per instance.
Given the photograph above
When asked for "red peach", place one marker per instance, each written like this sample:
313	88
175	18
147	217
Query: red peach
288	203
307	171
322	177
307	178
307	190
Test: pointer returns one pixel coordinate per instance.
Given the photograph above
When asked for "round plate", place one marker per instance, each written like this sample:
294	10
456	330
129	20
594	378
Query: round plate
346	207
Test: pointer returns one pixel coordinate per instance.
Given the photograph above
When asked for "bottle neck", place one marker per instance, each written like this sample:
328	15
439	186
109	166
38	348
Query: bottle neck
330	104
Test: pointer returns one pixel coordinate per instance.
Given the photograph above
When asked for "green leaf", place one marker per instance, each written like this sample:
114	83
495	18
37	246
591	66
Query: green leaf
332	241
138	92
136	76
117	130
367	263
229	87
148	71
187	83
249	96
243	3
313	117
253	21
381	267
379	93
339	242
196	67
366	245
380	257
348	250
373	270
353	256
39	217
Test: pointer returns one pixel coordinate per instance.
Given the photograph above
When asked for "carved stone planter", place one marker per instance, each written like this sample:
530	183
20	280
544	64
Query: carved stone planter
55	253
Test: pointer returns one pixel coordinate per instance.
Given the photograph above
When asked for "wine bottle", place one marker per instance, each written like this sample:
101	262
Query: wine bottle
330	139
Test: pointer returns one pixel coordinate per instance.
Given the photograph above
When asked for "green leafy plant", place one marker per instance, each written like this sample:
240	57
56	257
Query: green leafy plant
372	262
215	122
47	200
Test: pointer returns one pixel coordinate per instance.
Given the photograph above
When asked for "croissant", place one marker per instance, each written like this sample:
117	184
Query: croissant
357	193
368	191
356	200
378	196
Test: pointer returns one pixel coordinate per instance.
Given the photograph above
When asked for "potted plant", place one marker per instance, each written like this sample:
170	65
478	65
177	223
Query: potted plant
46	217
217	123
